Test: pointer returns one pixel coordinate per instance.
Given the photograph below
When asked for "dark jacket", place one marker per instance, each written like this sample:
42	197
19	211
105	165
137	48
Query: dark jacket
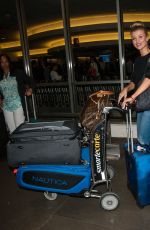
3	135
23	82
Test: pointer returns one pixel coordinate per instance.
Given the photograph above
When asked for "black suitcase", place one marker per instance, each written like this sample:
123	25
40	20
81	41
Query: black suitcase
45	143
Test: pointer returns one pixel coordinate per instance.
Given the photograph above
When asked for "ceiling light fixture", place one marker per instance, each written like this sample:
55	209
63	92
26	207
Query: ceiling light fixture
87	21
98	37
76	22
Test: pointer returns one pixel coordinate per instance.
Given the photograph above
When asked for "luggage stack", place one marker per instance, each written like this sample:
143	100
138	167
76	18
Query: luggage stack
35	142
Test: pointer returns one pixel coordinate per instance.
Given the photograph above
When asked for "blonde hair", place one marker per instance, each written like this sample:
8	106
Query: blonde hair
138	25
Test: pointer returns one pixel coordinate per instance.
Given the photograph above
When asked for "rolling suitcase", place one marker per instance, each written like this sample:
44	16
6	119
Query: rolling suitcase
138	168
44	143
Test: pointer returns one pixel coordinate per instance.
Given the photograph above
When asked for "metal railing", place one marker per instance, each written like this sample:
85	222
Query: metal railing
54	98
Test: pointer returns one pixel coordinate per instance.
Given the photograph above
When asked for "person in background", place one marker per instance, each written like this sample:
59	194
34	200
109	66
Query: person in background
54	75
46	70
93	71
14	85
139	36
35	71
102	65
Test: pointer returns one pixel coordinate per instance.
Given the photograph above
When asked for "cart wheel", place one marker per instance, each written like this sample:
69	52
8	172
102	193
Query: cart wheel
111	171
109	201
50	196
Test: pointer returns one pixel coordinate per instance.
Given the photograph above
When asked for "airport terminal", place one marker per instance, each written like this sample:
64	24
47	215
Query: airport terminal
74	115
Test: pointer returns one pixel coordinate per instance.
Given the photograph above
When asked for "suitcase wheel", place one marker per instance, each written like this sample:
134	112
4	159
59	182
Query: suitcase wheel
50	196
109	201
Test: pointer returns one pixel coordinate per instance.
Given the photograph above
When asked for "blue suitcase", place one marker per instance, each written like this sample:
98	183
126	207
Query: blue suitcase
138	169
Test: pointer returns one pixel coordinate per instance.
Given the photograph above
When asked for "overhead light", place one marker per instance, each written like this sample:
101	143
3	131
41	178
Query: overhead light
87	38
88	21
95	37
7	45
76	22
32	52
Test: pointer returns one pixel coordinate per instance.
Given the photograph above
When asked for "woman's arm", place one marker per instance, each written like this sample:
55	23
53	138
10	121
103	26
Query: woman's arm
144	86
130	86
28	82
125	90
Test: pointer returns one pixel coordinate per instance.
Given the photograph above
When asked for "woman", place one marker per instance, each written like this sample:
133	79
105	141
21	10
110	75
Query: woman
139	35
14	84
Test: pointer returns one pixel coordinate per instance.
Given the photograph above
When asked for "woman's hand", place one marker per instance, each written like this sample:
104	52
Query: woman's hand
127	101
28	92
123	94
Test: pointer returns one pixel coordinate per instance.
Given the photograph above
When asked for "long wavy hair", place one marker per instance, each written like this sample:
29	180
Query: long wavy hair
10	65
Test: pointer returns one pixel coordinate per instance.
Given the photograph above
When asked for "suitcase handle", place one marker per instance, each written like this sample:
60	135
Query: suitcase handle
129	129
33	106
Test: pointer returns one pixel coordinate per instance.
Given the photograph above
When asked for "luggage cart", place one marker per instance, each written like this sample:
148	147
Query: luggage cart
84	179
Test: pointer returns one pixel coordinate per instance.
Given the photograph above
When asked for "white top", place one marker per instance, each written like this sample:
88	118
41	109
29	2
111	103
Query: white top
55	76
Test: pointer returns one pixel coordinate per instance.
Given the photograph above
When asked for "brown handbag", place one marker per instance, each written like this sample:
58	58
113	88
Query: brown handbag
92	110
